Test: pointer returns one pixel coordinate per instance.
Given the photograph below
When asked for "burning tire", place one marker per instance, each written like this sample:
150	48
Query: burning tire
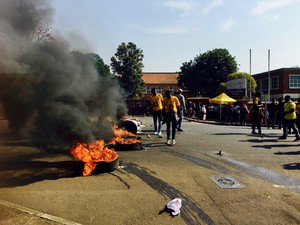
129	125
126	147
105	167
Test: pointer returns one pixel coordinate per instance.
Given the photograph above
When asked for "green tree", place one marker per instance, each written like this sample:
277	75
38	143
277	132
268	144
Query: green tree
101	67
221	89
95	60
128	63
251	83
207	71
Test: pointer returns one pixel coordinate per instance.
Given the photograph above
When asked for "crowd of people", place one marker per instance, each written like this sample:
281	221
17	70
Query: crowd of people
196	110
167	110
171	109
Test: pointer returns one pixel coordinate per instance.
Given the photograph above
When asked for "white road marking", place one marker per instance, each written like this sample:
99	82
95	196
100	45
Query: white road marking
38	213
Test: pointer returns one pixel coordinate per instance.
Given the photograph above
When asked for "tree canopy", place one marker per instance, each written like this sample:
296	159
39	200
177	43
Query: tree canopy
95	60
128	63
101	67
206	72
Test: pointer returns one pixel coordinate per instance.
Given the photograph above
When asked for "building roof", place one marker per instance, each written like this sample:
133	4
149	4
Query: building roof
160	78
280	69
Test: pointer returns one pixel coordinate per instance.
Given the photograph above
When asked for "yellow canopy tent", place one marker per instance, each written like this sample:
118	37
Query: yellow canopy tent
221	99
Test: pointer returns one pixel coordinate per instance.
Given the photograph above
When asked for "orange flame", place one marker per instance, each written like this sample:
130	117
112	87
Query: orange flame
93	153
123	137
96	152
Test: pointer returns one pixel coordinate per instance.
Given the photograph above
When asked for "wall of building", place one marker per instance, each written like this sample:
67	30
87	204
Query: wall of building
283	76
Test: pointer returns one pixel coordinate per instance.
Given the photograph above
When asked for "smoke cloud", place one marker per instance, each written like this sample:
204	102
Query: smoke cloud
51	94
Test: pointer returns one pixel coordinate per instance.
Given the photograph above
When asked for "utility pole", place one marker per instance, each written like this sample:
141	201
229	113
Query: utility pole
250	91
269	79
269	89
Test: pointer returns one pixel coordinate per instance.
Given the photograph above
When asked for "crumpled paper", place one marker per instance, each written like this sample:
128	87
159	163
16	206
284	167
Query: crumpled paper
175	205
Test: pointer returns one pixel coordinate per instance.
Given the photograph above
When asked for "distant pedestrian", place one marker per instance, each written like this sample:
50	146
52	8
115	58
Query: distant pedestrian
280	112
229	113
298	115
244	113
191	107
181	99
237	113
171	107
289	118
256	114
272	109
203	112
199	111
156	100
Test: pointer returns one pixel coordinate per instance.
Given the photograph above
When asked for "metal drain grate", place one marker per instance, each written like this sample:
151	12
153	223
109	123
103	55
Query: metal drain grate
226	182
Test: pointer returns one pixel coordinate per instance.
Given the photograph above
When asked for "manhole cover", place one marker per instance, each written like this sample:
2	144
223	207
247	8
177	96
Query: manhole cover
226	182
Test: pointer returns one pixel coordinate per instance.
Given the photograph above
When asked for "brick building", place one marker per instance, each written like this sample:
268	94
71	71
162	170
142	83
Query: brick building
284	81
160	81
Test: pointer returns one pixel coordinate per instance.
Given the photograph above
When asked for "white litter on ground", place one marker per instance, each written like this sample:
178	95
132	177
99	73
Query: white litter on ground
175	205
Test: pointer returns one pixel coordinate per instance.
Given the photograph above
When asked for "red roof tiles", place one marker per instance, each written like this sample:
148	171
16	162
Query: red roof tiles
160	78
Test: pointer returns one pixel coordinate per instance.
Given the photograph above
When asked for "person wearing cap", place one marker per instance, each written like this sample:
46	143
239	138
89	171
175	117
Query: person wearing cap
156	100
171	108
182	109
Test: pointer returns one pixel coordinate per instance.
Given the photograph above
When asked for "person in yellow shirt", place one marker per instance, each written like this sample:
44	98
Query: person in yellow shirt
289	118
156	100
171	108
298	115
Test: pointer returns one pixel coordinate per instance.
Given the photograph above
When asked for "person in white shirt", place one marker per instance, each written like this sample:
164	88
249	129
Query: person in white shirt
182	109
203	110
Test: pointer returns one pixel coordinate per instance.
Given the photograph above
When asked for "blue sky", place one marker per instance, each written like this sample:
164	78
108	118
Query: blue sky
171	32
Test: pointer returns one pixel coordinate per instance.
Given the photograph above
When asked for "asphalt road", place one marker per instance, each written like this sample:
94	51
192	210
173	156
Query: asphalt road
255	180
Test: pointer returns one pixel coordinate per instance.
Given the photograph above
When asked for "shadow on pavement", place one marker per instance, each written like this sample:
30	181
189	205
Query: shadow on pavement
274	146
20	172
291	166
225	134
287	153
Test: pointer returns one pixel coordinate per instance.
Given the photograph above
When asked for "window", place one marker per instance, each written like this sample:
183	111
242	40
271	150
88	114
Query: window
294	81
258	83
148	89
171	88
264	85
274	83
160	89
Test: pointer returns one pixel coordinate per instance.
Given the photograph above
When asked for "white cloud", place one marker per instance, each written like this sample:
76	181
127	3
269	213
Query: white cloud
179	4
267	5
227	24
212	5
184	6
271	18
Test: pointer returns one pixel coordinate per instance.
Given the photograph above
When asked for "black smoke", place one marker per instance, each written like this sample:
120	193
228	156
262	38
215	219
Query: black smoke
51	94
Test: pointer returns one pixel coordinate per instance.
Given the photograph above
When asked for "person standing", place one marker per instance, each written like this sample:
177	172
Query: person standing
289	118
244	112
203	111
280	112
181	99
298	115
272	108
256	113
156	100
229	113
171	108
237	113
